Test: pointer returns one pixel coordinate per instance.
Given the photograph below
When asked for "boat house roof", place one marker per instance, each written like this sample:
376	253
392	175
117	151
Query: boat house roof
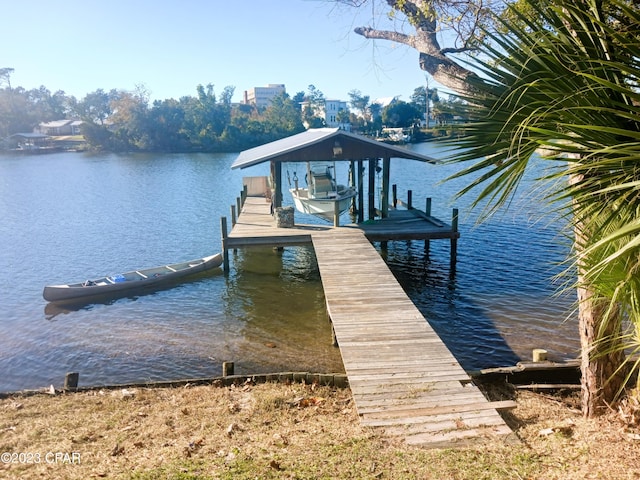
318	144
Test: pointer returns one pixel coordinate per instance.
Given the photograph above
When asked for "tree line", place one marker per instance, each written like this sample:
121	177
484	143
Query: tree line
118	120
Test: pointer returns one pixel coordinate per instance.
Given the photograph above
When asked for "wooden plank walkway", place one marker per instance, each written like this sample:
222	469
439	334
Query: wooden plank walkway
402	377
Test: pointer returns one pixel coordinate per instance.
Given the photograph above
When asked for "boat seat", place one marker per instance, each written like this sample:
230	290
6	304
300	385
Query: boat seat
322	184
141	274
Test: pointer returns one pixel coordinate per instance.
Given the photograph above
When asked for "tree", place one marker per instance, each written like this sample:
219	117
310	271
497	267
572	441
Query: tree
360	103
5	76
422	98
446	111
96	106
565	79
6	102
342	117
282	117
426	19
400	114
313	108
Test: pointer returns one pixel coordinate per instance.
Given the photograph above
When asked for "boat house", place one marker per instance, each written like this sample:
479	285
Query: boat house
333	144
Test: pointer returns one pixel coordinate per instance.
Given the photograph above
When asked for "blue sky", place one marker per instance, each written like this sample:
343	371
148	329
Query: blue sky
172	46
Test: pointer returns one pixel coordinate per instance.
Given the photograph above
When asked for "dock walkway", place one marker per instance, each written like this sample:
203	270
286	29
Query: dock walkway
402	376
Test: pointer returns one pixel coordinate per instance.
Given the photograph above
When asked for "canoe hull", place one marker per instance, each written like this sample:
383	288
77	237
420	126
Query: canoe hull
137	279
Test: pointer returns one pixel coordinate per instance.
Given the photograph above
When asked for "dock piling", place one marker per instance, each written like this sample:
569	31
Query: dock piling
71	381
454	239
227	369
225	250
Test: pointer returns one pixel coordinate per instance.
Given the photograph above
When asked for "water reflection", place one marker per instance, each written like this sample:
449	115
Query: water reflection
277	296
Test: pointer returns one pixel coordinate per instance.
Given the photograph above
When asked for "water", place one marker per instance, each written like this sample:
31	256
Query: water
71	216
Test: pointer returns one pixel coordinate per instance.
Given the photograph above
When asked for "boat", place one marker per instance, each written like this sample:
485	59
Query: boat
322	197
124	282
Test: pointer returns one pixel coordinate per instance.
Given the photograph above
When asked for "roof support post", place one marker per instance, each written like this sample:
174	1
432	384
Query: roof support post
360	191
386	167
372	188
276	175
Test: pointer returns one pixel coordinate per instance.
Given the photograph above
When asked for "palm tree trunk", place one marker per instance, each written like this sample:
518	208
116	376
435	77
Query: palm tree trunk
602	376
600	331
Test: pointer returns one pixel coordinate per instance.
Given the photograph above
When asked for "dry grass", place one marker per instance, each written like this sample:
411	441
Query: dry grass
289	431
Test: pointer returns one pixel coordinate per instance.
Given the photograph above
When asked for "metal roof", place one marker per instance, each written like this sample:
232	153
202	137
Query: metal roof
29	135
318	144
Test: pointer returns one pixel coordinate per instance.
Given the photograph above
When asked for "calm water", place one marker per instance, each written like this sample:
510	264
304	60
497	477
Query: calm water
68	217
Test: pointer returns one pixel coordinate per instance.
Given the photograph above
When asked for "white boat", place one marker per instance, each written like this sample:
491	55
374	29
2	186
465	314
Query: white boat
143	278
322	197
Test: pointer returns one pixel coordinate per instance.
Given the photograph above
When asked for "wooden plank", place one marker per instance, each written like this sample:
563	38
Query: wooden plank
460	438
388	412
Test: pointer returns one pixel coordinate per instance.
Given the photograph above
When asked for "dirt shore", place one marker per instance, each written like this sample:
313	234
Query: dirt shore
289	431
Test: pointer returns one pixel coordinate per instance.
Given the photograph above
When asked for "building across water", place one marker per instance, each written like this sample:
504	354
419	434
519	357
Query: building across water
262	96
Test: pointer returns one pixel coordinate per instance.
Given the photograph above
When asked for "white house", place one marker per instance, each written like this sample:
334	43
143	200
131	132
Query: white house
330	113
60	127
331	110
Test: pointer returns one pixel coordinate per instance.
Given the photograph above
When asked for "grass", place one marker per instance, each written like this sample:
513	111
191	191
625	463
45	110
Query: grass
277	431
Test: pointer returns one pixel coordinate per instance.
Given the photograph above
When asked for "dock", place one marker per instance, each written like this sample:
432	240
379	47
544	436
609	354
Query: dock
403	378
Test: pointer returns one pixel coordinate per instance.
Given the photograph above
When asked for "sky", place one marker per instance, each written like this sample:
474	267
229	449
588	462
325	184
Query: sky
170	47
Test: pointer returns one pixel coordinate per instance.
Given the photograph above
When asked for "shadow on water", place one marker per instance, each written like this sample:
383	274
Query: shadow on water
277	298
428	279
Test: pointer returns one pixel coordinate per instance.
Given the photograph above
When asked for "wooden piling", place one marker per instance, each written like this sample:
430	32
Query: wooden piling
225	250
427	242
360	191
227	369
372	188
539	355
384	201
454	238
233	216
71	380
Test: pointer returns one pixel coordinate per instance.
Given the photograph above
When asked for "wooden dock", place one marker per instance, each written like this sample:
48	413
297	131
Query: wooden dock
403	378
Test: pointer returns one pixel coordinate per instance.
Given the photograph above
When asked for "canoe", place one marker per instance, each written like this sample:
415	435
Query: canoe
121	283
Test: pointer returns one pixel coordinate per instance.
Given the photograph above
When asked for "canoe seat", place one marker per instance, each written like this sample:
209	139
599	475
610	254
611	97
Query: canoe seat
172	269
141	274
